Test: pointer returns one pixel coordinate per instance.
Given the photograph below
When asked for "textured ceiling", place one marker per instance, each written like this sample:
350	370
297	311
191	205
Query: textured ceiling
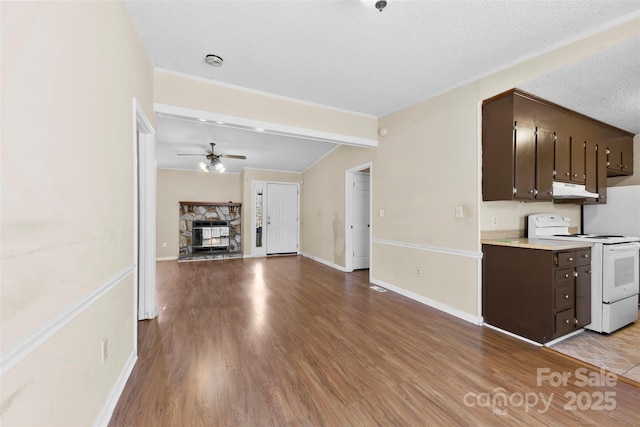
605	86
347	55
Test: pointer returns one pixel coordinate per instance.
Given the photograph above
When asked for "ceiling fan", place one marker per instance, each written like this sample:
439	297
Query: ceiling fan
214	159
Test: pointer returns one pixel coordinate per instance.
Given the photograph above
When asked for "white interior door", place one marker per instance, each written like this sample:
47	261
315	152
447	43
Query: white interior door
282	218
360	221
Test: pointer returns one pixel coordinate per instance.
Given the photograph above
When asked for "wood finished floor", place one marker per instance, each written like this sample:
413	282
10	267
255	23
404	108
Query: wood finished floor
287	341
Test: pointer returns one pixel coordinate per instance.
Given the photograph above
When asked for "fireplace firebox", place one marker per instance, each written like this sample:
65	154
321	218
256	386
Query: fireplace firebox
210	236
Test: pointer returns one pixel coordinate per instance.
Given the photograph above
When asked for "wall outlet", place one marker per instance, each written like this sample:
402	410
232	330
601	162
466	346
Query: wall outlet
105	349
164	244
381	212
494	221
419	272
459	212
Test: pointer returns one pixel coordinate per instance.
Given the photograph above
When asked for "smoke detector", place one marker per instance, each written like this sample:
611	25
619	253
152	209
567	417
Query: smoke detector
381	4
215	60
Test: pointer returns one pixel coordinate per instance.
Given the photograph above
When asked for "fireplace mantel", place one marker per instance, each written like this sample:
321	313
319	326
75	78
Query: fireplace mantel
211	203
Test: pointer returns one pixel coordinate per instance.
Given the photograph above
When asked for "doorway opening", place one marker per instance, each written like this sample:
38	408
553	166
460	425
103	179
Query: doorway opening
144	215
358	217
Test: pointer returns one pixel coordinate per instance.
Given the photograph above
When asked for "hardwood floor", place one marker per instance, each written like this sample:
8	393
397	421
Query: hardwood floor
287	341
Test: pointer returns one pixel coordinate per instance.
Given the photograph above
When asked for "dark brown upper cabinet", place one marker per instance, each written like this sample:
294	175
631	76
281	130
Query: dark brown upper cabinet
527	143
563	157
620	156
545	140
578	152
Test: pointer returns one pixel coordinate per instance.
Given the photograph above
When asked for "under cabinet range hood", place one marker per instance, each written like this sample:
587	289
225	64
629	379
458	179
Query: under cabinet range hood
564	190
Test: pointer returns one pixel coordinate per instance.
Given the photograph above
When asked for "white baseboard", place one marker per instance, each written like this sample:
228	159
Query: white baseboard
325	262
167	258
116	391
477	320
511	334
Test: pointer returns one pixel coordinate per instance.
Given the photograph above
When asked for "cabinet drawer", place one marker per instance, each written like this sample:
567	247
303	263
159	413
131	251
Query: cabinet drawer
564	322
566	259
583	257
563	277
564	298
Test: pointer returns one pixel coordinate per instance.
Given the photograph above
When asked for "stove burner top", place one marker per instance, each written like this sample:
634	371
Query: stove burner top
603	236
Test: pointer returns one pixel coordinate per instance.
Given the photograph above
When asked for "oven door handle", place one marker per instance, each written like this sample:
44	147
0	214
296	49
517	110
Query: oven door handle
624	247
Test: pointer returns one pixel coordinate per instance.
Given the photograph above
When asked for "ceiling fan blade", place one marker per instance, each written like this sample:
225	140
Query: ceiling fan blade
233	156
190	154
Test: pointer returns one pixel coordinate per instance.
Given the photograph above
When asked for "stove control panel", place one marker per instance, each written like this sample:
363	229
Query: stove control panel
541	225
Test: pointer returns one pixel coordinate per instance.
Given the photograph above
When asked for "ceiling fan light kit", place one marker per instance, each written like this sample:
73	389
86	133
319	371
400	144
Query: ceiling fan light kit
214	158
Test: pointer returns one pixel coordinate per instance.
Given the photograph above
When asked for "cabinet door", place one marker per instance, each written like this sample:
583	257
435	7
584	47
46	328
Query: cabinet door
524	161
619	155
591	167
544	164
578	145
596	171
563	157
583	295
602	173
626	156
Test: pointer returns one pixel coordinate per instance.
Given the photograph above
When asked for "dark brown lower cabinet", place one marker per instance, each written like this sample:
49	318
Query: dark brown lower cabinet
536	294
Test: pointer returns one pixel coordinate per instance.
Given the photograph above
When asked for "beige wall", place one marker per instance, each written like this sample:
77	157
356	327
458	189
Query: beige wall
70	72
174	186
511	216
248	176
426	166
184	92
323	203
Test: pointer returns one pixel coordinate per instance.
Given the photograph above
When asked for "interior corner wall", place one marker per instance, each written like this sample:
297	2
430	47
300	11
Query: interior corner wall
323	203
250	175
175	186
67	223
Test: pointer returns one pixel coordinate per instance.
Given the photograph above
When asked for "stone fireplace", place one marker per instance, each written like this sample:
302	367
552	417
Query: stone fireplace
209	230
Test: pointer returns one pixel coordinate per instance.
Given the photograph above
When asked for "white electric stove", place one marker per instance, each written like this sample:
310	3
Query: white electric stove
615	266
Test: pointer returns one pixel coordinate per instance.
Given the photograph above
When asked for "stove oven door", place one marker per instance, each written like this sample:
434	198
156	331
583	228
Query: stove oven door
620	267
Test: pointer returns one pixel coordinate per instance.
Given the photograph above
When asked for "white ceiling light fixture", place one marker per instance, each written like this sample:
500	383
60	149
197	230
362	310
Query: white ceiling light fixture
217	164
204	167
214	60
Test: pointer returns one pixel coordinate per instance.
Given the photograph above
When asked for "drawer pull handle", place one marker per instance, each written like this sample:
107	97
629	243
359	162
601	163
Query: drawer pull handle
566	297
566	321
585	256
566	276
570	259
